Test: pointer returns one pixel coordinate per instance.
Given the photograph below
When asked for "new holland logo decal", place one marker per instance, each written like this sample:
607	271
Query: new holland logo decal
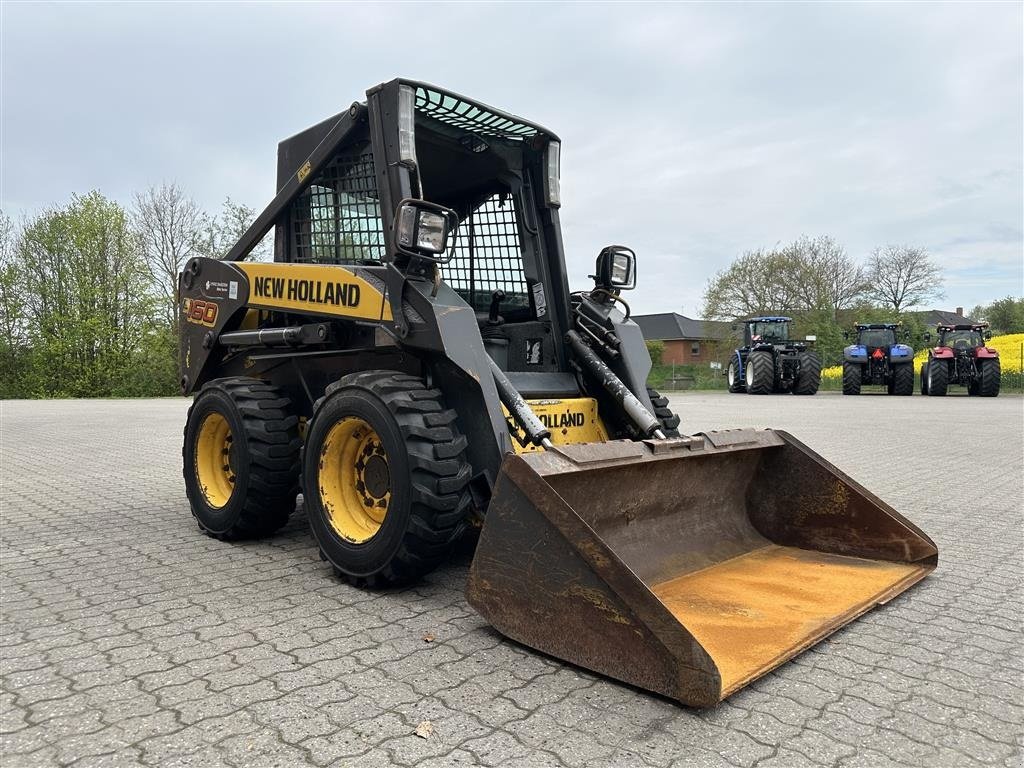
337	293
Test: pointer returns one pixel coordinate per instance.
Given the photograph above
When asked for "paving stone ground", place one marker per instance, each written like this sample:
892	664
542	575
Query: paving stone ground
129	638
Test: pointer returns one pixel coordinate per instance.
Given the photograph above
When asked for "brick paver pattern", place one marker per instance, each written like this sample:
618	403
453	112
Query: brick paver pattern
129	638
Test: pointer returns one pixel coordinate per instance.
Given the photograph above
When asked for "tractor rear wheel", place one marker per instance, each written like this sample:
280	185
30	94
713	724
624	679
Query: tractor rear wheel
903	379
851	379
760	373
938	378
990	372
241	458
809	378
924	378
669	421
385	478
733	377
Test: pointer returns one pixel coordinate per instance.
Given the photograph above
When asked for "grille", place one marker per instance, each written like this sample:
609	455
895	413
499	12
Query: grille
337	219
469	117
486	255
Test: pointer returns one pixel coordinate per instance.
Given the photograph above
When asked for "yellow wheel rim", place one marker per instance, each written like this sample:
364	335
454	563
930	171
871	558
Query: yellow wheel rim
213	460
354	479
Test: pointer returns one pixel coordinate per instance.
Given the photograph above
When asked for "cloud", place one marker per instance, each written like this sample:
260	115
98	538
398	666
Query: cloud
690	132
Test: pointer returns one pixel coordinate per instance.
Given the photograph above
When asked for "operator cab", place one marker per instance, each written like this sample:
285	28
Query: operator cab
876	335
461	195
766	330
962	339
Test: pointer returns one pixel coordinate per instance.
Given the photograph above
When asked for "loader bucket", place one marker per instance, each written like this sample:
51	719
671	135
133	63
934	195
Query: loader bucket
688	567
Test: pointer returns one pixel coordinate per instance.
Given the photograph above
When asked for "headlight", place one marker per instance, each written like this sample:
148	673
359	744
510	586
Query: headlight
616	268
421	228
554	186
622	265
406	120
431	232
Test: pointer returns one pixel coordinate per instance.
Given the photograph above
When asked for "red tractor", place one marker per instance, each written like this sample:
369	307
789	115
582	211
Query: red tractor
961	357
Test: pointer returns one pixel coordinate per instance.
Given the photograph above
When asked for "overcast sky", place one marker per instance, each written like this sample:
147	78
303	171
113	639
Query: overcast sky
690	132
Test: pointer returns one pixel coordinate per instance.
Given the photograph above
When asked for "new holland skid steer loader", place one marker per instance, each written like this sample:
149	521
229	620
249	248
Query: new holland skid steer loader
414	361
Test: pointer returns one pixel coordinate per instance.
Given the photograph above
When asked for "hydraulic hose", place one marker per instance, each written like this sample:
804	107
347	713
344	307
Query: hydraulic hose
518	407
636	411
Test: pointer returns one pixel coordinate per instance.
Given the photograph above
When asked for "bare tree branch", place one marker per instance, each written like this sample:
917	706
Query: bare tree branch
169	226
826	277
902	276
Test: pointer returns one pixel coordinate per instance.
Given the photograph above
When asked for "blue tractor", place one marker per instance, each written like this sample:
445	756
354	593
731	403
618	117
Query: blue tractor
877	357
769	361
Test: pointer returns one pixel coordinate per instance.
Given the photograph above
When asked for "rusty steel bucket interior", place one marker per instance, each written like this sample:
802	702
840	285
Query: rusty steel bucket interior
686	567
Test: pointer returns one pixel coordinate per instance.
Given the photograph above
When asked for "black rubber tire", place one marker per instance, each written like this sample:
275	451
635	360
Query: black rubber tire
669	421
990	372
760	373
851	378
429	475
733	371
924	378
903	379
938	378
809	378
265	458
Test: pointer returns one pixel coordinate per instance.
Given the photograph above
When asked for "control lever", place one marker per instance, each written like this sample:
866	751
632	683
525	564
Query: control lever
493	318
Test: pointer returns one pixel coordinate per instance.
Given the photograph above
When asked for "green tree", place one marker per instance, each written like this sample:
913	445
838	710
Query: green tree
757	282
14	349
1004	315
811	274
221	232
88	307
821	324
656	349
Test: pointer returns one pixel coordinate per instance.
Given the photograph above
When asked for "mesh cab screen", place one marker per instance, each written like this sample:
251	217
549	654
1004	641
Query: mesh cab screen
337	219
456	112
486	256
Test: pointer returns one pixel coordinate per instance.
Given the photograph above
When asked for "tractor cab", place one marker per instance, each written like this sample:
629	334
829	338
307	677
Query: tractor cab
963	339
874	336
766	330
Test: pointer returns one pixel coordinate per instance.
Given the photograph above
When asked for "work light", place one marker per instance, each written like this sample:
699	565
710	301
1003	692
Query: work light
616	268
554	191
421	228
431	233
406	125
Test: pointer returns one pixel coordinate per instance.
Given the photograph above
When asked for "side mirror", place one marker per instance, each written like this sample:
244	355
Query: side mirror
846	335
616	268
422	229
927	337
988	335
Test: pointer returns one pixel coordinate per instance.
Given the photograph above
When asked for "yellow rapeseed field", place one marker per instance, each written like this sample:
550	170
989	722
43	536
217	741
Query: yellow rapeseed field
1008	346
